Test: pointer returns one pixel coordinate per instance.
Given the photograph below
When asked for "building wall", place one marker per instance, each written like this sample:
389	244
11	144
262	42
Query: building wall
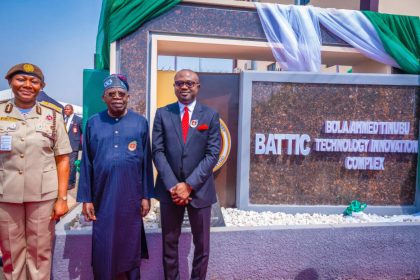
165	90
338	4
229	23
402	7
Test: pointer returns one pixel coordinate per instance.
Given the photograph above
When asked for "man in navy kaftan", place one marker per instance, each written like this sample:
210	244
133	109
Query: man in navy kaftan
116	183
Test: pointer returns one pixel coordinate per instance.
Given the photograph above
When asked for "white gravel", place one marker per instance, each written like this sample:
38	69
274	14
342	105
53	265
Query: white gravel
241	218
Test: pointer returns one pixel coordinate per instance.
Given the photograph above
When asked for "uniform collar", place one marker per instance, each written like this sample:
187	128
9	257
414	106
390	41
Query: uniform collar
15	113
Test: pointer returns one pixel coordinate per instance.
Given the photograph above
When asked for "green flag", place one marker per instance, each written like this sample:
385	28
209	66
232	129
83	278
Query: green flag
400	36
119	18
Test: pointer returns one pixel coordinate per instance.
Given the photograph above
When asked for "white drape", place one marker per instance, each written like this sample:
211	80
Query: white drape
293	34
356	30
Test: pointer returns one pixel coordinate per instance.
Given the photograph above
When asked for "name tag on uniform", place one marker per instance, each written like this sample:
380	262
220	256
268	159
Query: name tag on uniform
5	143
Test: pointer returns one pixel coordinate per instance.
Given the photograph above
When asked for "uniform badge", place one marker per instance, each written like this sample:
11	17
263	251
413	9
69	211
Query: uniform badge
75	129
132	146
13	126
193	123
49	117
39	127
5	143
9	108
8	119
28	68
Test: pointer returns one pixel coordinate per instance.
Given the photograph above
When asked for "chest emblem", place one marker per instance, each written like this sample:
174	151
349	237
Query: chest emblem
12	126
193	123
49	117
132	146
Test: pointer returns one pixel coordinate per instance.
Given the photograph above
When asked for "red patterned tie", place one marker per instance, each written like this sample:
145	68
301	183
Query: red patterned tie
185	123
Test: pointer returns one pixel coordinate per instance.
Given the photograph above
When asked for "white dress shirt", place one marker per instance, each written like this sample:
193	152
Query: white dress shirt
69	119
190	106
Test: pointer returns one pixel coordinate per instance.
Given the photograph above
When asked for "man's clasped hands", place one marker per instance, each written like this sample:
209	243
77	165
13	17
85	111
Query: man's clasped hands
180	193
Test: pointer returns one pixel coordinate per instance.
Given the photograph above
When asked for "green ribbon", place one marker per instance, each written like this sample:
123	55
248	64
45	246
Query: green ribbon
77	164
355	206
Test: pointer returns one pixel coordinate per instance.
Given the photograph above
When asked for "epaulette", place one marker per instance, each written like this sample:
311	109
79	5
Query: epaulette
51	106
5	101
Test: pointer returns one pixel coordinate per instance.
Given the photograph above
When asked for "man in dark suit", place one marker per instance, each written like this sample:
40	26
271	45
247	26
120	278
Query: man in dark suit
185	147
74	130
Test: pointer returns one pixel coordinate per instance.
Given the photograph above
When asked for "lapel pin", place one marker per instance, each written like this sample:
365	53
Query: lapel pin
193	123
132	146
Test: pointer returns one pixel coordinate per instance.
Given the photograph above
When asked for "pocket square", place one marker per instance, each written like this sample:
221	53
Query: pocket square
202	127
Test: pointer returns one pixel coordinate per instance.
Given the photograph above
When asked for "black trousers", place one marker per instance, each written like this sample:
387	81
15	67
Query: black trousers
72	178
171	218
133	274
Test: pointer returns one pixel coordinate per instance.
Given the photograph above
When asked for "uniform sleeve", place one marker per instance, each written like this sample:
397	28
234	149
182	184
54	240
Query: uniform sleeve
147	180
62	144
84	192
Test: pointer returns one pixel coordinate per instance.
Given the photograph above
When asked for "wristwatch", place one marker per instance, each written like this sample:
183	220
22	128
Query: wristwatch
62	198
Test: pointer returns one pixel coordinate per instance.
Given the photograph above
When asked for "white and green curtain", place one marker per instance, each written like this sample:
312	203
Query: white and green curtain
293	33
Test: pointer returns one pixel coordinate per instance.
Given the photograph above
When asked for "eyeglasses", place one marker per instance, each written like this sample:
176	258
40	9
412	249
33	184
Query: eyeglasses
189	84
113	94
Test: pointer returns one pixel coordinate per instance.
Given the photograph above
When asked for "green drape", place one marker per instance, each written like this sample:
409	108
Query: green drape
400	36
120	18
93	81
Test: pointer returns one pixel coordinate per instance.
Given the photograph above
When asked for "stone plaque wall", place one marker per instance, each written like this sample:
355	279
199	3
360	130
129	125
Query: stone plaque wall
320	178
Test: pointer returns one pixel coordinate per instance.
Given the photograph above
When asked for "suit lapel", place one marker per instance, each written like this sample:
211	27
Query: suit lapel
195	116
176	119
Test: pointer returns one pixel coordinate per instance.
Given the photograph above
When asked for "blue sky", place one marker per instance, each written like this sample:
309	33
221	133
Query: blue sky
57	35
60	37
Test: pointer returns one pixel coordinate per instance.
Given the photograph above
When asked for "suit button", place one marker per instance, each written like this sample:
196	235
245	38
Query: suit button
20	172
22	155
116	146
23	123
22	139
116	131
